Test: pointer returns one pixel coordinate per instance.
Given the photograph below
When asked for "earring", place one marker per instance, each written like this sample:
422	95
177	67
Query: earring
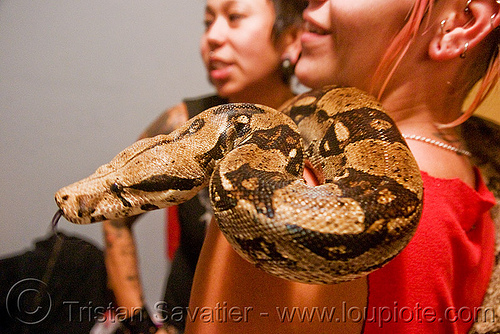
442	26
467	9
287	70
466	46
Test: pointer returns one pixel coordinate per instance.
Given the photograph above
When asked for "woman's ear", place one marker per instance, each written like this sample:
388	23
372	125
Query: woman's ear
291	43
462	30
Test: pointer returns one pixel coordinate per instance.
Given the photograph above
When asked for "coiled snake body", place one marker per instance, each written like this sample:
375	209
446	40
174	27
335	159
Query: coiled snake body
252	158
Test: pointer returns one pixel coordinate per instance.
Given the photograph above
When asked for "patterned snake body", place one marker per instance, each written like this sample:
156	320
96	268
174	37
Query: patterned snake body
252	157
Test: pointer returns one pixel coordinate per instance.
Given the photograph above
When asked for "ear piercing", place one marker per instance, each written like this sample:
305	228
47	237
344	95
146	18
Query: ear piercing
467	9
466	46
287	69
442	26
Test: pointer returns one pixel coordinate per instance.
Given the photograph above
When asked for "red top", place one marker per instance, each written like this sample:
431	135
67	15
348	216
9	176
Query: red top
173	231
437	283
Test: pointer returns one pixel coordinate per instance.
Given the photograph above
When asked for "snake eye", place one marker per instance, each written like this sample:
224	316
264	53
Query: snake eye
242	125
116	188
196	126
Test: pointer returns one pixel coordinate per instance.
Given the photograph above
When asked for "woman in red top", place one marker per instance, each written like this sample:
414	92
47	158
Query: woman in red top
421	58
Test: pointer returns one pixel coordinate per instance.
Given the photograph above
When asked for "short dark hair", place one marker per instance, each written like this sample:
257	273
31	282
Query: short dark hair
288	14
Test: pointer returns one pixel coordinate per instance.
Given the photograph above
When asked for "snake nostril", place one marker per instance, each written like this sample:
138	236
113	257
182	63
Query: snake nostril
65	197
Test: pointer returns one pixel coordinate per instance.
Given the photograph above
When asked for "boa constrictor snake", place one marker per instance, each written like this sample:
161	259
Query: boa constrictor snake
252	158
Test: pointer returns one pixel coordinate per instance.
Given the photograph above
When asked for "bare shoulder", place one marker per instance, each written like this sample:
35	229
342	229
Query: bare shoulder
168	121
444	164
481	137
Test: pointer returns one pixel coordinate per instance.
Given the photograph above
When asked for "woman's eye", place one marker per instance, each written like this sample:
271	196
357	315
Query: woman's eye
207	23
235	17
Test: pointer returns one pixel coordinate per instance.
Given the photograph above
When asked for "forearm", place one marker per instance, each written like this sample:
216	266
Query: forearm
122	264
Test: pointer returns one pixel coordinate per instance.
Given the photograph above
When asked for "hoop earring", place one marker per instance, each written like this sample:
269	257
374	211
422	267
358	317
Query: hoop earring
466	46
287	70
467	9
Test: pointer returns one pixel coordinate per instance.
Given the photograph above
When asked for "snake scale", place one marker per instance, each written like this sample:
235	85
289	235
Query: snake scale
252	158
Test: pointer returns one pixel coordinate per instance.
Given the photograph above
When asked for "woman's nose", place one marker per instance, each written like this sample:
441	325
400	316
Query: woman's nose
217	32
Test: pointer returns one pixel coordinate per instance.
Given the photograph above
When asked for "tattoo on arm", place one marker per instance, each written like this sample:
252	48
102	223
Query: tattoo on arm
167	122
132	277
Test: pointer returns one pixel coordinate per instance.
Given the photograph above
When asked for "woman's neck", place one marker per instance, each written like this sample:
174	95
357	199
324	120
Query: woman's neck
418	115
416	107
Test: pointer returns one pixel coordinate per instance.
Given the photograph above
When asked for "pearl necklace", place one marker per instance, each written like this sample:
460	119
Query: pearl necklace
438	144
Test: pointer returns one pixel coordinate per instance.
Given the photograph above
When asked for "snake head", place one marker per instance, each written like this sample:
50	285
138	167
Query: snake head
82	207
117	189
96	199
145	176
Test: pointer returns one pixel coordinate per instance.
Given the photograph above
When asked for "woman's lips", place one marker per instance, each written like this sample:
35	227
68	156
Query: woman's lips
315	29
313	33
219	70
